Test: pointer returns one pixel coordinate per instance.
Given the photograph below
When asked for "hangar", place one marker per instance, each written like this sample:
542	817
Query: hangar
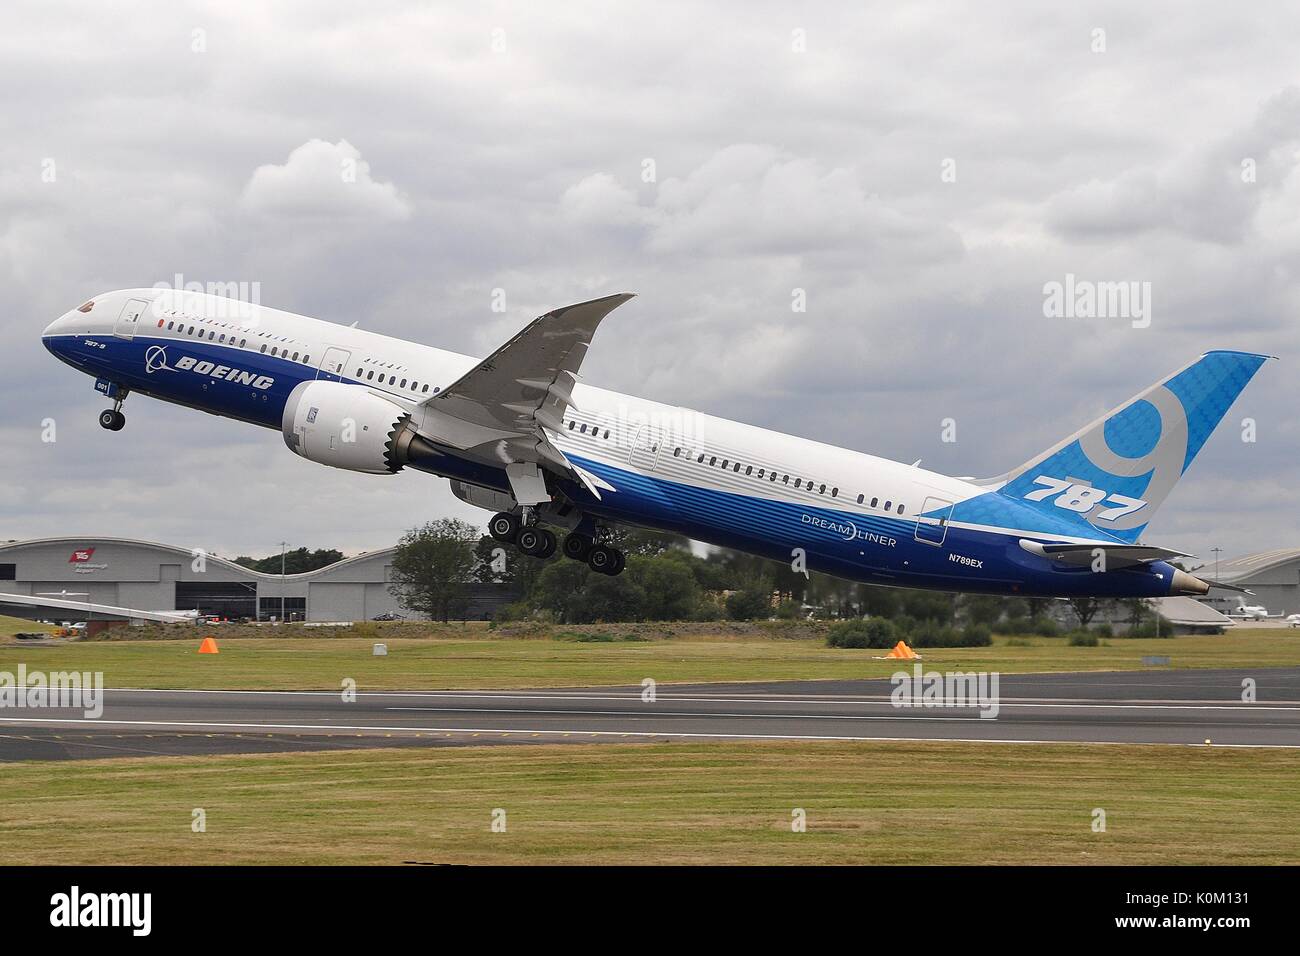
1272	577
148	576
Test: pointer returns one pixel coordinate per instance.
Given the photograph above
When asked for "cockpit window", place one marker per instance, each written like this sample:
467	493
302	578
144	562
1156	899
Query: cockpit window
87	307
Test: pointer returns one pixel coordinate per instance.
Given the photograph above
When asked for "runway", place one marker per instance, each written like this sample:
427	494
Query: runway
1153	707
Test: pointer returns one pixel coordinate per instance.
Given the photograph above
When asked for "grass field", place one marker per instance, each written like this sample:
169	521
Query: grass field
477	659
922	803
9	626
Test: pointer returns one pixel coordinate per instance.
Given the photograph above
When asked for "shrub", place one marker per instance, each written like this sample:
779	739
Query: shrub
747	604
862	632
1082	639
976	635
1046	627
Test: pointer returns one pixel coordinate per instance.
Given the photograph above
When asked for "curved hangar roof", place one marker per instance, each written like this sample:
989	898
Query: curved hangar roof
1250	565
71	545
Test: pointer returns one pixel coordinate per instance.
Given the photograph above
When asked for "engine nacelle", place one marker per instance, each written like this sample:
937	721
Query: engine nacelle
346	426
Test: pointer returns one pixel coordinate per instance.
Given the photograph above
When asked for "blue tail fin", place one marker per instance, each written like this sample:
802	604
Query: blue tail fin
1113	474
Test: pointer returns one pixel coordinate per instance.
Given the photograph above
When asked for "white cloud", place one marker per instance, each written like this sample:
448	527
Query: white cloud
776	170
323	180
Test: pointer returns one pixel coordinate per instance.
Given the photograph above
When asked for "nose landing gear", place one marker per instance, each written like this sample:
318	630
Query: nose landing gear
112	418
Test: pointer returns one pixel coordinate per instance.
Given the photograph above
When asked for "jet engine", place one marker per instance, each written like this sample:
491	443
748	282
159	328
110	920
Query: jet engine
348	426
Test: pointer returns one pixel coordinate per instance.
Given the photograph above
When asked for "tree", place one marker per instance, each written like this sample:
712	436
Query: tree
1085	608
295	562
982	608
577	595
432	566
754	599
497	563
669	588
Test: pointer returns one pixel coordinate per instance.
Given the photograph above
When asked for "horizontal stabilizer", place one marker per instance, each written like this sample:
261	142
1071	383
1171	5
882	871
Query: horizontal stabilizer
1116	556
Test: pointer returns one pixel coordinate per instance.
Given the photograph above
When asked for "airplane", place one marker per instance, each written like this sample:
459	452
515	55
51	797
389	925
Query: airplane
1252	612
517	434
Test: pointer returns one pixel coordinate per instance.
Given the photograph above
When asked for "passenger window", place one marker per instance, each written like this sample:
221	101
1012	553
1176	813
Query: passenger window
713	460
785	479
724	464
370	375
749	470
771	476
583	429
677	453
169	326
415	386
571	424
900	509
860	497
263	346
701	458
358	373
888	504
403	383
606	432
241	342
797	481
821	490
426	388
873	502
392	379
306	359
835	492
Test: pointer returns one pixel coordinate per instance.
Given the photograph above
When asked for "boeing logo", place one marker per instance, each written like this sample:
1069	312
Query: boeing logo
155	360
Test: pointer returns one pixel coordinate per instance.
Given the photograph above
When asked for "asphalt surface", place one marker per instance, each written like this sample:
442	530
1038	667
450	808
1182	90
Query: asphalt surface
1153	706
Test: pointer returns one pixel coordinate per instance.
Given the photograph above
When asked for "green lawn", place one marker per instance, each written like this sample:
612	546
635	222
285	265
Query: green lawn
9	626
478	659
886	803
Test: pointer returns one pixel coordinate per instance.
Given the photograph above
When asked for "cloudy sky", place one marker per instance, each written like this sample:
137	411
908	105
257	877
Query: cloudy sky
920	172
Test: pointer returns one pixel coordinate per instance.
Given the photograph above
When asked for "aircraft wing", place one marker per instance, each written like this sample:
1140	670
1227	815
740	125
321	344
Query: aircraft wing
530	379
512	398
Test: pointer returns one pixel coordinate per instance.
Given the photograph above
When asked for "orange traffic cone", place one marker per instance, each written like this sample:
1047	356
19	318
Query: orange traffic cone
902	652
209	646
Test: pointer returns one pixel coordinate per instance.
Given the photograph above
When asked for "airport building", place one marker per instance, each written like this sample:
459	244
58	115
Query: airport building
126	574
1272	577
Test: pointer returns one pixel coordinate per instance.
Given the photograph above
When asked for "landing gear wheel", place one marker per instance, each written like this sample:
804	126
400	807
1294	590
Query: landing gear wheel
606	560
536	542
577	546
504	527
112	419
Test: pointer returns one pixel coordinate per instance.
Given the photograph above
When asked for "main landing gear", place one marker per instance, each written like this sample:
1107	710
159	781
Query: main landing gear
537	542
